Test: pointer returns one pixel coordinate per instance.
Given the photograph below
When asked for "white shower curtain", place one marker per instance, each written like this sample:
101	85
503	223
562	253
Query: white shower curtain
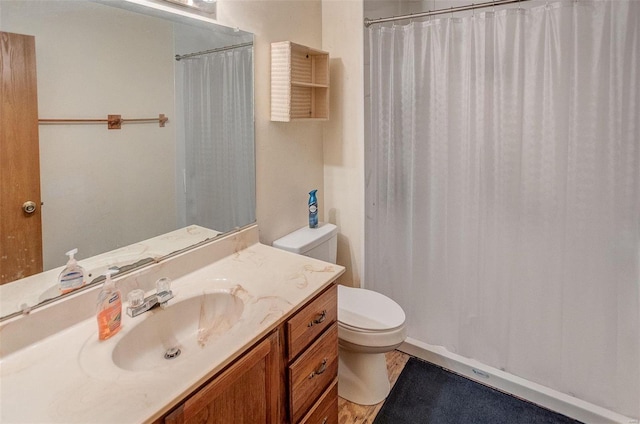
503	190
219	147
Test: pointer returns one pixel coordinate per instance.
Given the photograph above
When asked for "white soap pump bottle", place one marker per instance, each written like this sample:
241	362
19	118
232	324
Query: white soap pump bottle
72	276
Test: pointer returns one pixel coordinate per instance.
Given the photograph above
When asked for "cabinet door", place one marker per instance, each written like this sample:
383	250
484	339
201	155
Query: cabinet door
247	392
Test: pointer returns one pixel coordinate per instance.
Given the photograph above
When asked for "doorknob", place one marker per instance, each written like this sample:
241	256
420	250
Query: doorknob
29	207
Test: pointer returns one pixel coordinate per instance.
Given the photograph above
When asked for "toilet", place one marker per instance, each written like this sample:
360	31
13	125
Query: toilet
369	323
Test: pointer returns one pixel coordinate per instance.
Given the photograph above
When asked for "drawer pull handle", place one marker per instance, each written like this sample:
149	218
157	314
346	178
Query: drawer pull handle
320	370
321	317
324	421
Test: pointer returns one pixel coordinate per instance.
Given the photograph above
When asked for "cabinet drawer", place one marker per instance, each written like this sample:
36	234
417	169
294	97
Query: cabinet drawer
312	373
303	328
326	409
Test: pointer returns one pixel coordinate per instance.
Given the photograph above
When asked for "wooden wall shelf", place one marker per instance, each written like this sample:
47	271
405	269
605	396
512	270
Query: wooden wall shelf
299	83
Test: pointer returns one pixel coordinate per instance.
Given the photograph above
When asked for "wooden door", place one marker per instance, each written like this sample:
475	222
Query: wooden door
246	393
20	232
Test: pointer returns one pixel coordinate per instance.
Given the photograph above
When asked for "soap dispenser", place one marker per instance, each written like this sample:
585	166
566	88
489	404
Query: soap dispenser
109	310
72	276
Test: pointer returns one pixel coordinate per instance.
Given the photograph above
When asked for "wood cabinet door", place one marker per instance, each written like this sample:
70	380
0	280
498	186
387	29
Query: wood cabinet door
20	232
248	392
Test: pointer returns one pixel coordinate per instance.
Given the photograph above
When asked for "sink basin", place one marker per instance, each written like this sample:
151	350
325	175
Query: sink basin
177	332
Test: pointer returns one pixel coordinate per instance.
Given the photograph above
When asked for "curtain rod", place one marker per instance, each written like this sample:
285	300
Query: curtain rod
114	122
219	49
368	22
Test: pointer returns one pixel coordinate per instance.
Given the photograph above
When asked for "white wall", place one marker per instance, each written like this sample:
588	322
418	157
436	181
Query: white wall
289	156
84	168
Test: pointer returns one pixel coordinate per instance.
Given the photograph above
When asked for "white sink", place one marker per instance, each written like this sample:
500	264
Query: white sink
163	337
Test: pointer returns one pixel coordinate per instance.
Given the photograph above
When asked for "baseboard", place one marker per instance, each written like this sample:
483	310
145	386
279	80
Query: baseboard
509	383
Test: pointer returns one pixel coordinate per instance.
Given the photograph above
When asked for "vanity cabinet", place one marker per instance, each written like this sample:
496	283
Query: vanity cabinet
289	377
312	354
299	82
246	392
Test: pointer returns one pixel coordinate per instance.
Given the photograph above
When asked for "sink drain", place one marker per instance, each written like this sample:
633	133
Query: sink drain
171	353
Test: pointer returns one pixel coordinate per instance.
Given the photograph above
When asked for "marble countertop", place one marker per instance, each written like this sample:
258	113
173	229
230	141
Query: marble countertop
69	376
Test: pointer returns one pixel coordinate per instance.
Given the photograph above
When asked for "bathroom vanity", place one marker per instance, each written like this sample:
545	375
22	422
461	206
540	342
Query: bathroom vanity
256	327
250	389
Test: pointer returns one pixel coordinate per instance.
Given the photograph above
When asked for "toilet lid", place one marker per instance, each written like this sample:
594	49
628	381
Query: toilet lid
368	310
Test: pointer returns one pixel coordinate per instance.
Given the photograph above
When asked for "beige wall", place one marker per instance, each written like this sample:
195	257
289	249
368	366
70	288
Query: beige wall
289	158
293	158
342	37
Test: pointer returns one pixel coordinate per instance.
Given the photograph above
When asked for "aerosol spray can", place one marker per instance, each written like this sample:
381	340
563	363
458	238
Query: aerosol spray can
313	209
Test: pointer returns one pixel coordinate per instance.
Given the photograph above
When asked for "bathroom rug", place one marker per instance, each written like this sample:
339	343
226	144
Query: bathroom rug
428	394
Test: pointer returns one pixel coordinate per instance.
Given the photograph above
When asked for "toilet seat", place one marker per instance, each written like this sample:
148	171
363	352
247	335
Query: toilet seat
369	320
370	341
368	311
367	331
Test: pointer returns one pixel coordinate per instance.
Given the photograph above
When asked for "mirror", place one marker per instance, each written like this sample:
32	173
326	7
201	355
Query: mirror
127	197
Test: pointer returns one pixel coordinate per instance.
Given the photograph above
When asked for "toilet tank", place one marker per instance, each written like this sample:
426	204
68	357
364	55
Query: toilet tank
319	243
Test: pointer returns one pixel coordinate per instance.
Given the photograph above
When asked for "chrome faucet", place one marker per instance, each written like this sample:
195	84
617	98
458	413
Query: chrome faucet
139	304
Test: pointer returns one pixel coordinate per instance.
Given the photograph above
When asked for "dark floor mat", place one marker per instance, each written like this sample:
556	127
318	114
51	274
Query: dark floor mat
428	394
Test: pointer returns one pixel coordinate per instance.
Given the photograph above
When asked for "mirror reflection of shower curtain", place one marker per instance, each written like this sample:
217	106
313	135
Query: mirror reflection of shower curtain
503	190
219	176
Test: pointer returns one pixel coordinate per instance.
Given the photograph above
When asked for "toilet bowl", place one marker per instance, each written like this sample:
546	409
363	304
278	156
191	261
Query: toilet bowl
369	323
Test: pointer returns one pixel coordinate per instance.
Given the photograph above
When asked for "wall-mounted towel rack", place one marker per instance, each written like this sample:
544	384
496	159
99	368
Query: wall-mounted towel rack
114	122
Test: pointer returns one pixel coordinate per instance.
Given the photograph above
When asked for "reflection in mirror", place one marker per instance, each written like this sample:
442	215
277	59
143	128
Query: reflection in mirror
133	195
